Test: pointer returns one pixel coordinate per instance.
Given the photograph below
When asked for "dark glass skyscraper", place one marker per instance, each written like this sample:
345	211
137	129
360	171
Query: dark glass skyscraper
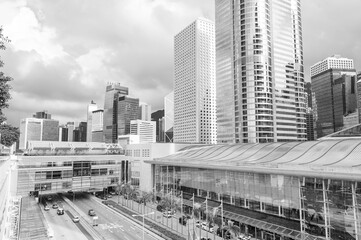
260	81
127	110
112	93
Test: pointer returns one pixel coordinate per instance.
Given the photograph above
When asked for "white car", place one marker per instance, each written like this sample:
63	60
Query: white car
76	219
168	214
206	226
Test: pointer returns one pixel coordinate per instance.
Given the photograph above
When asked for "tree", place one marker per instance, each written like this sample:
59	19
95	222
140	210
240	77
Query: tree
234	230
9	134
214	219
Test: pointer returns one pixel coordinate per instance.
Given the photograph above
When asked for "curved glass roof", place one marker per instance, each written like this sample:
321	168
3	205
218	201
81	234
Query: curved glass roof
340	158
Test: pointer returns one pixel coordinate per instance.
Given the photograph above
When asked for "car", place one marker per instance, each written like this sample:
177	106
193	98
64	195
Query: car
225	232
55	206
109	196
49	198
208	227
60	211
91	212
46	208
168	214
183	220
76	219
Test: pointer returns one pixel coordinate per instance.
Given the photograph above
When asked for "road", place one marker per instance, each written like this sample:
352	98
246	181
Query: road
111	225
62	226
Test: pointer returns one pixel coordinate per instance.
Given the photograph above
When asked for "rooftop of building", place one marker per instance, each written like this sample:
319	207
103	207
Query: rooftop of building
71	148
331	158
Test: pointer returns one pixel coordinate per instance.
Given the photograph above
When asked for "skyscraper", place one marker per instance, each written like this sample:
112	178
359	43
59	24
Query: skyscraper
127	110
168	117
91	107
195	84
260	81
112	93
145	112
334	83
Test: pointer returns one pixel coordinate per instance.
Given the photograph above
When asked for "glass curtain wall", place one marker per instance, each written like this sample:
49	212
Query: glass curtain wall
329	208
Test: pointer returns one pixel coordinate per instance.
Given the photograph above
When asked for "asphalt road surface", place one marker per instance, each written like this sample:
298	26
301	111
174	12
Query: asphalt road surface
111	225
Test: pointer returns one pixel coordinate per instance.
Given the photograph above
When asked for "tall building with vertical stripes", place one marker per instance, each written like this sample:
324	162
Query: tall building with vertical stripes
260	75
194	84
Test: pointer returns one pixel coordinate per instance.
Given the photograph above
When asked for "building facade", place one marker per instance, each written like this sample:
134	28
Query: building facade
127	110
168	117
112	92
195	84
295	190
333	62
145	112
145	129
91	107
39	130
141	172
52	167
260	76
335	91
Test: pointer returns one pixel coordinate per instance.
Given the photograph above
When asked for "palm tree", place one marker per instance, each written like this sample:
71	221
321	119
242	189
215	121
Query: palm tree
214	219
234	230
145	197
197	212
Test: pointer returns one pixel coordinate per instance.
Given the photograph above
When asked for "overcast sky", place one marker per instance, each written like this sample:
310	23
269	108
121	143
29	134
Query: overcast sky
63	52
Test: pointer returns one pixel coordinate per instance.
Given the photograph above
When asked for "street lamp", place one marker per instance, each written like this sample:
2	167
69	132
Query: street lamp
142	215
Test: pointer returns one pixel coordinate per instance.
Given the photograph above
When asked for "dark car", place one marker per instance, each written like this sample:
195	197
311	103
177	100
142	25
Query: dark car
226	233
91	212
183	220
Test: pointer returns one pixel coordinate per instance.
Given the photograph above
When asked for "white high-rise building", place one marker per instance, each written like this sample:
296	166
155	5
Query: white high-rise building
168	117
195	84
91	107
260	76
97	120
145	129
333	62
145	112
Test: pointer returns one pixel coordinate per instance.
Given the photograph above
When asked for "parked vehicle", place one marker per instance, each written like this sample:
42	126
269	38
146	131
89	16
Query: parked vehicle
55	206
168	214
46	208
183	220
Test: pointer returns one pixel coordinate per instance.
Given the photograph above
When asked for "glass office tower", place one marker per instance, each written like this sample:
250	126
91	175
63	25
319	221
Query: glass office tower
260	82
112	93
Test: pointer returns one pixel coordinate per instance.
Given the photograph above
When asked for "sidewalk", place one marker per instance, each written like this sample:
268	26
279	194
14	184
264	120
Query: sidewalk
32	225
171	225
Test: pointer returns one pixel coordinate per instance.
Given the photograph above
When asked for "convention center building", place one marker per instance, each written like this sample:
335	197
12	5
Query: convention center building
52	167
293	190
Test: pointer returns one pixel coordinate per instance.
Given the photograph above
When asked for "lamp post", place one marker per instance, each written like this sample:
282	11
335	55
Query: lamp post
142	215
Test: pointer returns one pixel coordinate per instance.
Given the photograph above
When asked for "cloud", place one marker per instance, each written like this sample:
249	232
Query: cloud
64	52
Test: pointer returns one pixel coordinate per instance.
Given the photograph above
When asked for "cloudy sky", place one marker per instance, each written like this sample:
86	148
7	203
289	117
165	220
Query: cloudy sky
62	53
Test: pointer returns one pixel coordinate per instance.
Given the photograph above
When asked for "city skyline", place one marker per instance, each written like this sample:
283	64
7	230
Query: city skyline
77	55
